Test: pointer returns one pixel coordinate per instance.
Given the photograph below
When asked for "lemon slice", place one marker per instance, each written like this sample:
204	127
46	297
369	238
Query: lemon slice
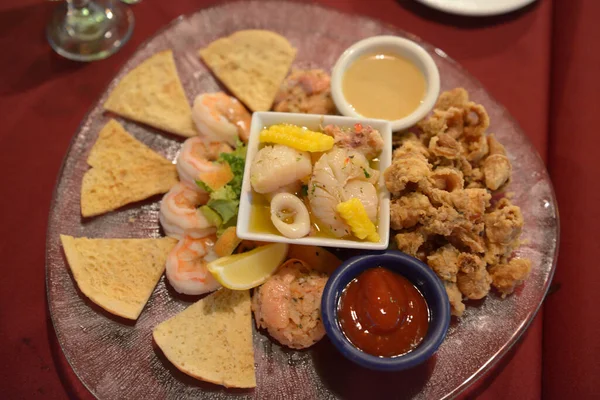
248	270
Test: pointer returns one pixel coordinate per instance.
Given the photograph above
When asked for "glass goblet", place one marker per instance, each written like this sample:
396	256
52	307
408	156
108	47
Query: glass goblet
87	30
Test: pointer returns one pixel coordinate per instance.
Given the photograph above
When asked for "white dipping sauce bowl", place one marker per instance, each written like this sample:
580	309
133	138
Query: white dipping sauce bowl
391	45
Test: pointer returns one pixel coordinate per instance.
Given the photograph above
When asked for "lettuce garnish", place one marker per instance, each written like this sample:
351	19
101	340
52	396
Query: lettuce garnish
223	204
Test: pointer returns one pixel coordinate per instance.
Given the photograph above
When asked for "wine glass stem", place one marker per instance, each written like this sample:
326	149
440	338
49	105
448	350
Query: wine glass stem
86	20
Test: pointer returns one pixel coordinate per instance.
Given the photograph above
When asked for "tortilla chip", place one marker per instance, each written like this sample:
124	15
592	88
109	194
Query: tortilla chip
106	190
124	170
212	339
116	146
152	94
119	275
252	64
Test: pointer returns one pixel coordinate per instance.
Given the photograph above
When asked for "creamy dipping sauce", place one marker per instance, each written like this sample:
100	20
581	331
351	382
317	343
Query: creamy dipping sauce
384	86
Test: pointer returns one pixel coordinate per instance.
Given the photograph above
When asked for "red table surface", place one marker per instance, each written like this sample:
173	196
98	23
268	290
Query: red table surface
43	99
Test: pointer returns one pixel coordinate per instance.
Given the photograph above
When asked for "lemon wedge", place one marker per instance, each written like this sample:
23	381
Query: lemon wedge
250	269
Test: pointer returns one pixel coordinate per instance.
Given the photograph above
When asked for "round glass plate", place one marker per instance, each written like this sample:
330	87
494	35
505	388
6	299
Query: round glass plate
117	359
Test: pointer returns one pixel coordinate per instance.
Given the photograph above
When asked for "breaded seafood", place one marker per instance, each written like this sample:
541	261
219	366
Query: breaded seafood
442	179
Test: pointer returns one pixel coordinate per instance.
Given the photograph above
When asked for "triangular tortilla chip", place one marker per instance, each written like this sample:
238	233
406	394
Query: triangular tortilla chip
252	64
212	339
152	94
116	146
119	275
124	170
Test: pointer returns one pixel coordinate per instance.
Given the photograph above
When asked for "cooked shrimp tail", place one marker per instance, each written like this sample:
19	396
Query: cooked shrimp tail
221	118
179	213
197	157
186	266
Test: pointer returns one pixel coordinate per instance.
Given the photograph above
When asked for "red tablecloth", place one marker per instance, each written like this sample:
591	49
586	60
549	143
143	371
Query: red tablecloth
43	98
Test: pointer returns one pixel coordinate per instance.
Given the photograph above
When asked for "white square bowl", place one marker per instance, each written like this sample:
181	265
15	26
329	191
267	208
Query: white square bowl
261	120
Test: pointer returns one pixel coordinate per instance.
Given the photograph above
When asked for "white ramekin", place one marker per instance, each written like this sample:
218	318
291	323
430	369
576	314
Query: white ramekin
391	45
261	120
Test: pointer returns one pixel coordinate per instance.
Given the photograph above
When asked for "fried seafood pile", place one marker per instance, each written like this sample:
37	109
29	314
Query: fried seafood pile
441	182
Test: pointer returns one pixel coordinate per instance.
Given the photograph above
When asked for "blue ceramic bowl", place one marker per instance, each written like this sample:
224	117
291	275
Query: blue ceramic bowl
412	269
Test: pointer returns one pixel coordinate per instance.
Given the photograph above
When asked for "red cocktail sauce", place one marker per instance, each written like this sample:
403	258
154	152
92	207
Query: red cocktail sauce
383	314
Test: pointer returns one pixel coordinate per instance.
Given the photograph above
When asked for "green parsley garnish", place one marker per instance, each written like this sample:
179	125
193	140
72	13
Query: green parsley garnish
223	204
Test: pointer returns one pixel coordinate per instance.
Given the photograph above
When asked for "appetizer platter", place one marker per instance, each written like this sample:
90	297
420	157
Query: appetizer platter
277	200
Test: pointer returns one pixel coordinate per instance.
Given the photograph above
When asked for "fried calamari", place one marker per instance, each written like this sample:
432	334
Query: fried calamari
441	181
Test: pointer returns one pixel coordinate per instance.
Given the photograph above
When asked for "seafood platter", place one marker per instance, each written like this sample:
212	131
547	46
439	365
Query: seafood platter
243	216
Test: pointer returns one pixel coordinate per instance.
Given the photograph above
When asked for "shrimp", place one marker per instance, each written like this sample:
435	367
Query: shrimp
326	188
366	193
186	266
277	166
179	213
197	157
288	305
221	118
305	91
348	164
